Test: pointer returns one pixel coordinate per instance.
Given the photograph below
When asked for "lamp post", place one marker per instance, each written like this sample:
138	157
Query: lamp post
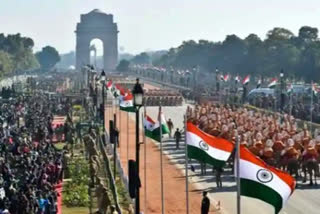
96	101
137	102
281	90
103	80
217	80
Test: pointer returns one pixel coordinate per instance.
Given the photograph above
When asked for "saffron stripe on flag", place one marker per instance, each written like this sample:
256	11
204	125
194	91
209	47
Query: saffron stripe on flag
248	156
217	143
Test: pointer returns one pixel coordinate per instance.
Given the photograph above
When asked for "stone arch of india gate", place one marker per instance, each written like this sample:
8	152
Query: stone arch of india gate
97	25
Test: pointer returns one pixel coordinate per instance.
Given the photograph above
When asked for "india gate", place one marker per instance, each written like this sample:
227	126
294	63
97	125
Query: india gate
97	25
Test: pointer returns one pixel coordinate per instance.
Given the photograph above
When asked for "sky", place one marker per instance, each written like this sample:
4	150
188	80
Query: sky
155	24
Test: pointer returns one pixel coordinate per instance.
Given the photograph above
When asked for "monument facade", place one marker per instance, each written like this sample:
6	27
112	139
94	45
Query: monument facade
97	25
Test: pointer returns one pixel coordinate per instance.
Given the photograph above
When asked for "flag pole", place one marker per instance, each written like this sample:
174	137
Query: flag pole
145	161
161	162
119	118
311	106
290	102
128	138
119	126
186	164
114	105
238	174
110	108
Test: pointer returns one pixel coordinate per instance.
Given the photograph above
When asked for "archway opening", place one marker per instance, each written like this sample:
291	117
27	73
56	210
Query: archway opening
96	53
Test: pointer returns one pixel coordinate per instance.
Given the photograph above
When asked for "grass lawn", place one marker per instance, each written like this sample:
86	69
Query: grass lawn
59	145
75	210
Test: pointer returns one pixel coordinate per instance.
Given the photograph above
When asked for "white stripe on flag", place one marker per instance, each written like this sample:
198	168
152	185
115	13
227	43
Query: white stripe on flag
248	170
194	140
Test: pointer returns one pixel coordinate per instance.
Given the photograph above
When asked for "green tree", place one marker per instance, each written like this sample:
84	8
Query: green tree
48	57
298	55
6	64
309	67
254	58
123	66
142	58
308	34
20	50
279	34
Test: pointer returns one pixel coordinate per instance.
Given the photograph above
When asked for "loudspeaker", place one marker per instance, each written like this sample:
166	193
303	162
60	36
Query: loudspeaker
111	131
101	111
132	178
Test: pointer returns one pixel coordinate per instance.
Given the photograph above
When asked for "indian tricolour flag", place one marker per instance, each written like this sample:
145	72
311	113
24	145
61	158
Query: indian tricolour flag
226	78
126	103
115	91
109	84
221	77
314	89
273	83
237	79
259	83
207	148
152	129
260	181
246	80
289	88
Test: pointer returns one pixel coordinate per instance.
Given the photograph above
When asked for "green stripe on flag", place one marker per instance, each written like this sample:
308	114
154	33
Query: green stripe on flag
201	155
128	109
165	130
257	190
152	135
155	133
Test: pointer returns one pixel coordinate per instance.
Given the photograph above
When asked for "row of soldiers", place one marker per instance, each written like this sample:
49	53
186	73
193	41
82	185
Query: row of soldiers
162	92
156	97
163	100
275	138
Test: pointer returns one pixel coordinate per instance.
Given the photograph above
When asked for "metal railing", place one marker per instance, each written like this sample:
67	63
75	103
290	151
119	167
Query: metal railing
106	160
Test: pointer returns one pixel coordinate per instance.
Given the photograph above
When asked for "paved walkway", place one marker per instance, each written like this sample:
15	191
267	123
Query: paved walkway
174	179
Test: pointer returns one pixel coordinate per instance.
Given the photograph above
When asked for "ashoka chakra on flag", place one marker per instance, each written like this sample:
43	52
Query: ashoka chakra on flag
207	148
264	182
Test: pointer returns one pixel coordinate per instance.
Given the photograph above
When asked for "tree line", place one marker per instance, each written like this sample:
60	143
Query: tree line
298	56
16	55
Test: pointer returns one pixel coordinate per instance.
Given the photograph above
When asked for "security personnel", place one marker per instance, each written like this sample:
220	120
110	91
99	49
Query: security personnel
177	136
205	204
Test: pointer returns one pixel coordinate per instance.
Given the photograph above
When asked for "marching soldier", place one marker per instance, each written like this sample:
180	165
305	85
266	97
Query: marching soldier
170	126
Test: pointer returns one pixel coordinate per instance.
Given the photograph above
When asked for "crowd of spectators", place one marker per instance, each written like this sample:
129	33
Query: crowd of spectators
30	165
298	106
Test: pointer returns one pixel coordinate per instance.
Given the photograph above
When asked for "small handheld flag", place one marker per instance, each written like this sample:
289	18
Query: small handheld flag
259	83
315	90
246	80
273	83
237	79
290	88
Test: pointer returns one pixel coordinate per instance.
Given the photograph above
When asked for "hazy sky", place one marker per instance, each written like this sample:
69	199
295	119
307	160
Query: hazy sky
155	24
